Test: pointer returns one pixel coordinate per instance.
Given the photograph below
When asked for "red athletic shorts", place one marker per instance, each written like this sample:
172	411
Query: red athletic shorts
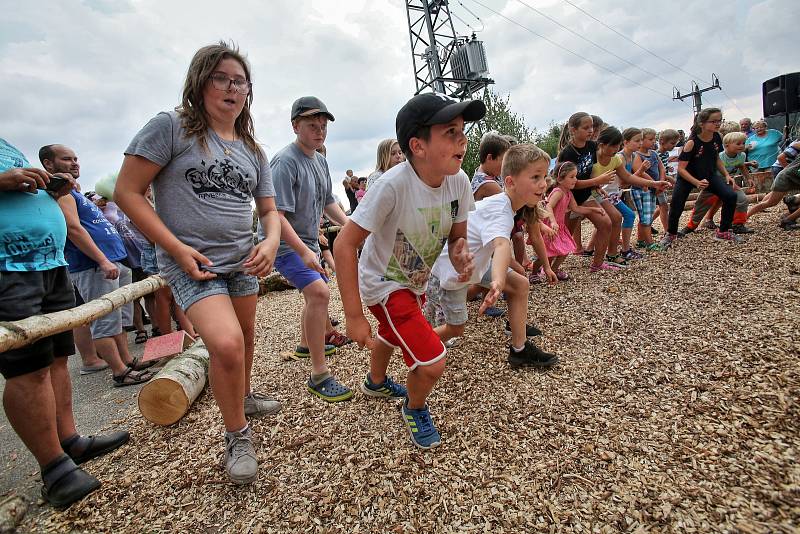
401	324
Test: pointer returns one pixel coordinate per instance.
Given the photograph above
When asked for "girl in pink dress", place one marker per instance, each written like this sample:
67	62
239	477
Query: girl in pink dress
560	203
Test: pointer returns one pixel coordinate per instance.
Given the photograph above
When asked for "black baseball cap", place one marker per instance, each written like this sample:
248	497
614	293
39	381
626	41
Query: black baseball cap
428	109
307	106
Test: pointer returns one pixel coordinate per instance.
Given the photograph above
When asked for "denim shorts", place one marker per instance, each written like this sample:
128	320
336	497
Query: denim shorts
187	291
451	304
148	259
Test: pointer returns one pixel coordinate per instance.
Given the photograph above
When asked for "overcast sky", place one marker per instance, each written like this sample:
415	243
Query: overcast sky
90	73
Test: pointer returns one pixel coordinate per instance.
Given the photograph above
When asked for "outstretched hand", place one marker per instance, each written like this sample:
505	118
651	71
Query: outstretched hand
492	296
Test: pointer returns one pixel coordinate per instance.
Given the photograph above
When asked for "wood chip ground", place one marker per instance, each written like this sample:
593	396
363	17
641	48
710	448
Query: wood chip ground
674	409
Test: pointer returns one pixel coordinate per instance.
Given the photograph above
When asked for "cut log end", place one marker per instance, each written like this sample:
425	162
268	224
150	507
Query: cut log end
163	401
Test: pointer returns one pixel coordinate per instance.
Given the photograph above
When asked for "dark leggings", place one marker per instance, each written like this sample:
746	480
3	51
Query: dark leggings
717	186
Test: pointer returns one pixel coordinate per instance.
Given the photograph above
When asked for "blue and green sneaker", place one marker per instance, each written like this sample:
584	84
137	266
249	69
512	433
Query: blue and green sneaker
420	426
388	389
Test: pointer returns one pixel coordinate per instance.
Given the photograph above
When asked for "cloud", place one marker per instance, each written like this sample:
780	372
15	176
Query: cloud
91	73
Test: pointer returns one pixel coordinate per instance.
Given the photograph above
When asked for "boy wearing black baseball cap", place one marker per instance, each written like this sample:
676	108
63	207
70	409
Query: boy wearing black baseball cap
407	217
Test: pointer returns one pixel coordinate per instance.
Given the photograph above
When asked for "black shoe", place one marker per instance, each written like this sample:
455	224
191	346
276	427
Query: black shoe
68	484
98	445
791	203
685	231
530	330
786	224
741	229
653	231
531	356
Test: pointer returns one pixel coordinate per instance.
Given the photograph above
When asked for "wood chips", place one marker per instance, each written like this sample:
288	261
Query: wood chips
674	409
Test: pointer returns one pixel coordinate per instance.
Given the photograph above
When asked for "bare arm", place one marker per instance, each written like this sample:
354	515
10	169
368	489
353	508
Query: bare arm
685	174
290	237
541	251
636	177
501	260
458	251
723	171
486	190
335	214
79	237
136	174
345	249
262	257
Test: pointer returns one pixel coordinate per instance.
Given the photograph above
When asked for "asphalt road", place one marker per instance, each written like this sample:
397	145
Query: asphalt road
96	404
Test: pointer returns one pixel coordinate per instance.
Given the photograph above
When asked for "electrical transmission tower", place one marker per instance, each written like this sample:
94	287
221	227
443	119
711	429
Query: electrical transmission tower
697	93
444	62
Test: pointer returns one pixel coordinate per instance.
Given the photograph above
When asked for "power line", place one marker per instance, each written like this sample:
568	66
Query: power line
668	62
606	50
468	10
733	102
464	22
570	51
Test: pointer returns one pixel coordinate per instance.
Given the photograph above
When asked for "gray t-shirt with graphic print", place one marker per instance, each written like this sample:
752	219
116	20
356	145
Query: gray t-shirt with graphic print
203	196
302	190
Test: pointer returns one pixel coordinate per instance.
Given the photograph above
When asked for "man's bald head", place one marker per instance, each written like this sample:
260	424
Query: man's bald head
59	158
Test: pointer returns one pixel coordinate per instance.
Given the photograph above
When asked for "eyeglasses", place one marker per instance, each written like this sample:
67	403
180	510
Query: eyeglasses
221	82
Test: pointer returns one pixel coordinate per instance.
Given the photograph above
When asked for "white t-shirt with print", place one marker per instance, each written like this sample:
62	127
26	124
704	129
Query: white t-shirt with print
493	217
409	223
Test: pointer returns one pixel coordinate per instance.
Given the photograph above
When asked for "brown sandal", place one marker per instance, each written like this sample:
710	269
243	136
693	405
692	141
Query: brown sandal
131	377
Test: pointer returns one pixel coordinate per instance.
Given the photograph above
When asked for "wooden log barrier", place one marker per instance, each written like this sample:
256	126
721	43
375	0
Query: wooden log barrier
16	334
166	398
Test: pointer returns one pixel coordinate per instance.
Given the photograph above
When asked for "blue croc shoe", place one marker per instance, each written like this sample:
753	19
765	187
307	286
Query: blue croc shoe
388	389
330	390
420	426
492	311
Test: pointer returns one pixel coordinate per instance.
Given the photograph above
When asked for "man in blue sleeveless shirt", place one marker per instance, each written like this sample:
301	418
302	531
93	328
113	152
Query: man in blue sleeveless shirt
94	252
33	280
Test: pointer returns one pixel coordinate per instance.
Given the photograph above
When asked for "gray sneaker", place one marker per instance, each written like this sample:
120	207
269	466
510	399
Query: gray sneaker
257	404
240	457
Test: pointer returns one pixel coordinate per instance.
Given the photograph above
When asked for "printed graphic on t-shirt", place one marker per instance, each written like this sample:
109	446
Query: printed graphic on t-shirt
220	178
584	163
414	253
22	251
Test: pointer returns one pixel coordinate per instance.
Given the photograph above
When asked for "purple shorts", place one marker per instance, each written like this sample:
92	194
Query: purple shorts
296	272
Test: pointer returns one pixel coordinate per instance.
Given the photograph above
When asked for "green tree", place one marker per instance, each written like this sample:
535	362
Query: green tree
501	118
549	140
498	117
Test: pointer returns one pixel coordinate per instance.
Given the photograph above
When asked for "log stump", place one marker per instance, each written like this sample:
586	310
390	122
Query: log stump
166	398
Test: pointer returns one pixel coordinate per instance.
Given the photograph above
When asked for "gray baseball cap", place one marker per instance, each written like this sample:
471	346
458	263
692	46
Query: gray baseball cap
308	106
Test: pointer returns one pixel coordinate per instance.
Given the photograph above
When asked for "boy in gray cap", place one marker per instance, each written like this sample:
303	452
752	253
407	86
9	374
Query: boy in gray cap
303	192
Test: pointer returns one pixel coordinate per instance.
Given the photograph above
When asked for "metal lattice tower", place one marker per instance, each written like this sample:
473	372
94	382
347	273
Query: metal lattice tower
444	62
